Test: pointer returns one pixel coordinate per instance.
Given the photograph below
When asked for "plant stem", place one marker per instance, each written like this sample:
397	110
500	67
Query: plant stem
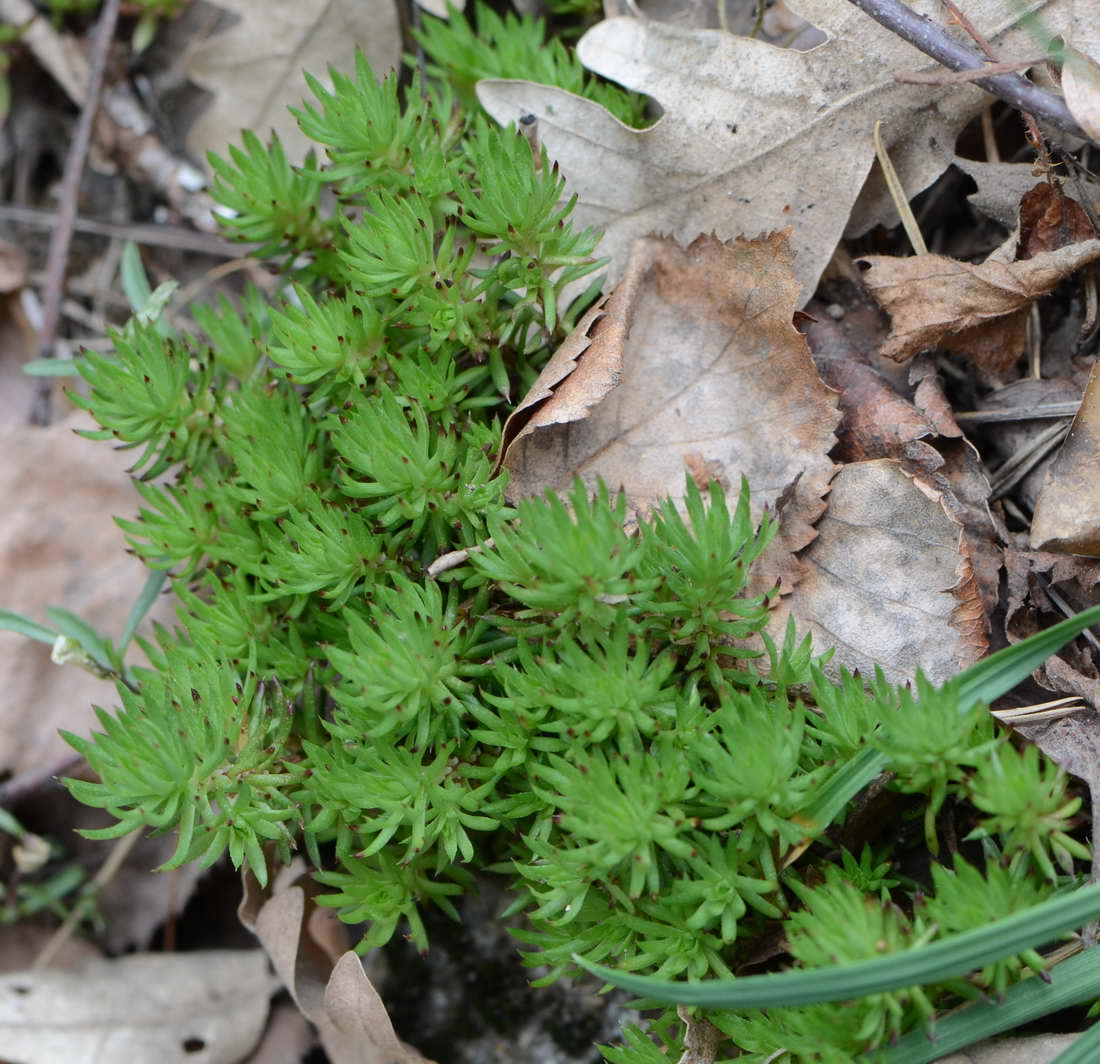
936	42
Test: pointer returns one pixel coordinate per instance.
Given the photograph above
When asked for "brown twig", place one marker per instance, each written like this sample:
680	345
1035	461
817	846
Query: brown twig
61	237
960	77
936	42
1035	135
164	236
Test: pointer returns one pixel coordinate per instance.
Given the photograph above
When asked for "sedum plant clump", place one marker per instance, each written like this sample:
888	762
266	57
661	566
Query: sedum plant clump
567	707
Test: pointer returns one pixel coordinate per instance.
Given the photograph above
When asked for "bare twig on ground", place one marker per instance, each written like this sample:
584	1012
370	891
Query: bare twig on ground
61	237
165	236
961	77
108	870
937	43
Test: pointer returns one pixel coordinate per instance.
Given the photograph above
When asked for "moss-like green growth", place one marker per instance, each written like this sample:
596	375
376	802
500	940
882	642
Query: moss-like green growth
566	707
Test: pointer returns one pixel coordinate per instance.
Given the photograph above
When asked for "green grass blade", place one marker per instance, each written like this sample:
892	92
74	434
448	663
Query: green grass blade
50	367
1000	672
16	622
948	958
142	605
1073	982
983	682
135	282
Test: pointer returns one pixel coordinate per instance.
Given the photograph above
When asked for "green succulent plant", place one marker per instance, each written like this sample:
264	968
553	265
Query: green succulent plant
572	706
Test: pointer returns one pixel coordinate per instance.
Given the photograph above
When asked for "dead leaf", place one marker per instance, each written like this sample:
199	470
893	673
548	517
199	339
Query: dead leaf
287	1039
1001	186
731	159
60	548
1049	219
440	8
1081	77
877	422
255	68
712	371
976	310
1067	513
888	579
306	945
206	1007
20	943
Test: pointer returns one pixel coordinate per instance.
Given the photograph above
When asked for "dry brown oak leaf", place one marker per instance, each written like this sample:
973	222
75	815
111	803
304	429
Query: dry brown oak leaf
755	137
975	309
255	68
691	367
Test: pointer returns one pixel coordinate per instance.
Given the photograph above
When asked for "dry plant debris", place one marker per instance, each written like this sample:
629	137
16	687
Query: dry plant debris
255	68
205	1006
979	311
692	366
892	543
743	118
307	946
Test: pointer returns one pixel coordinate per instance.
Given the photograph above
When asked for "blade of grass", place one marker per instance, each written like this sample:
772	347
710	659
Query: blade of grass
142	605
948	958
16	622
983	682
81	632
1073	982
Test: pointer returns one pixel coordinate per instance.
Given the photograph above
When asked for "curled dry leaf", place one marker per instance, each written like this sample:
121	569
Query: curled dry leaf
888	579
1067	514
206	1007
729	158
976	310
254	68
1049	220
307	947
695	368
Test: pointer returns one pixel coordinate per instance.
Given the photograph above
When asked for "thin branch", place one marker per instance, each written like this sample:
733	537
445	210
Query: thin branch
61	237
152	235
936	42
961	77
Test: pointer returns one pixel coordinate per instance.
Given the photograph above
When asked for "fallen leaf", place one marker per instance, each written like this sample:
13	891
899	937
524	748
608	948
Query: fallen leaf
60	548
1049	220
206	1007
729	158
920	432
1001	186
307	947
888	579
255	69
287	1039
441	8
21	943
877	422
710	370
1081	72
976	310
1067	513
